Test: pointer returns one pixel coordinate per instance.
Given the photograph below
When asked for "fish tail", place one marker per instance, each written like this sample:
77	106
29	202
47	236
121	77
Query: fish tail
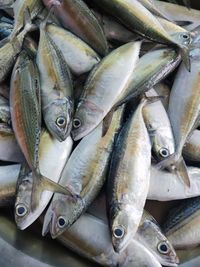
184	51
176	164
41	184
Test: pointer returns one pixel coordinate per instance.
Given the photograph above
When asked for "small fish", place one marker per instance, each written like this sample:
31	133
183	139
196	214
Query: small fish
182	224
53	156
191	150
75	16
128	179
166	186
85	174
159	128
103	88
20	6
78	55
56	86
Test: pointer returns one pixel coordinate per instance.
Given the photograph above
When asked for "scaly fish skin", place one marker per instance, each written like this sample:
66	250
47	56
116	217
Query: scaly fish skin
56	87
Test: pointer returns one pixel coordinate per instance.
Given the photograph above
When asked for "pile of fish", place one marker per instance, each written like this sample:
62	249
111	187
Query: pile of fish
99	111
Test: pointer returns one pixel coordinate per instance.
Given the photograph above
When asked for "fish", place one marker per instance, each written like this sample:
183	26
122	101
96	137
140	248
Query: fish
8	178
85	174
10	150
151	68
53	156
163	89
26	121
9	49
159	128
75	16
191	150
137	18
183	113
167	186
99	248
103	87
34	7
56	86
128	179
182	224
151	236
79	57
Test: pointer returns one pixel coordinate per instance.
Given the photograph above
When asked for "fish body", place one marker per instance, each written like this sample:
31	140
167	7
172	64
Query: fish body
5	30
79	56
85	174
163	89
128	180
182	224
103	88
6	3
75	16
159	128
191	150
53	155
56	87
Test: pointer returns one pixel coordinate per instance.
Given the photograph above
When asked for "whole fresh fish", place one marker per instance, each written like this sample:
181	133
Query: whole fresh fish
8	178
128	180
103	88
137	18
166	186
75	16
53	156
96	245
56	86
10	49
10	150
182	224
184	111
163	89
20	6
78	55
4	111
151	69
150	235
191	150
84	174
159	128
26	120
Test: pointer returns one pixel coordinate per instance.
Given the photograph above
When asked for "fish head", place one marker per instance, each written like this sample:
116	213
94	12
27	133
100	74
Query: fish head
62	213
157	242
86	118
183	38
163	145
58	118
122	231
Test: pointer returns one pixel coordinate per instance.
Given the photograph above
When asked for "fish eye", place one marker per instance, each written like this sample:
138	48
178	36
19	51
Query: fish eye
21	210
164	152
118	232
185	37
60	121
61	222
76	123
163	248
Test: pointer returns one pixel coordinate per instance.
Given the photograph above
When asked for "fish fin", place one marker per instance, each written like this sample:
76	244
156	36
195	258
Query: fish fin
187	4
46	223
41	184
177	165
184	51
183	23
106	122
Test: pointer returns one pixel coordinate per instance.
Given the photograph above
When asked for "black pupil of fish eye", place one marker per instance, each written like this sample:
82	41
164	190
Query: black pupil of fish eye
164	152
77	123
61	222
163	248
118	232
185	36
61	121
21	210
